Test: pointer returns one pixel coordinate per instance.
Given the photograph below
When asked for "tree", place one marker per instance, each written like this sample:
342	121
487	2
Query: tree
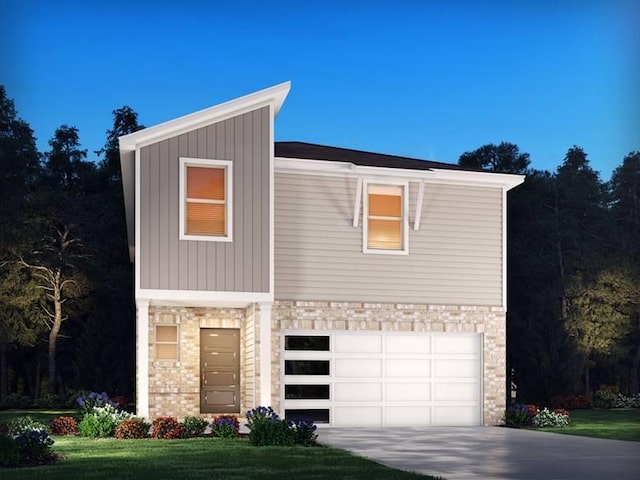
56	273
125	121
596	317
625	211
65	162
19	171
21	317
505	158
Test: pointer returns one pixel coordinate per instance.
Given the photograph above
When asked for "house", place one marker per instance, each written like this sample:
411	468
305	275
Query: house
347	287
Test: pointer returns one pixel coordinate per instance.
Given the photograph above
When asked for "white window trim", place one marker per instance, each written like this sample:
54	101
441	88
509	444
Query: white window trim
405	218
203	162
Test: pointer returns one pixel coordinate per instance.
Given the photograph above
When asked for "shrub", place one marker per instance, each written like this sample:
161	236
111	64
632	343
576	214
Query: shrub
561	411
305	432
34	448
64	426
267	428
518	415
572	402
20	425
622	401
88	401
9	453
193	427
225	426
604	399
15	400
166	428
132	428
102	421
545	418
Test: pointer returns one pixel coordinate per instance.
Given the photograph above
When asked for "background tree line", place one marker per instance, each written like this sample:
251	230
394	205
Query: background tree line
573	313
66	284
66	294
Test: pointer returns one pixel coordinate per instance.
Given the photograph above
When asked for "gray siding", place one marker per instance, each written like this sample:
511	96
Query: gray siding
242	265
454	258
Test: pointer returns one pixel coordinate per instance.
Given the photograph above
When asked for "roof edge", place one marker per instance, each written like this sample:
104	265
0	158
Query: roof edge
274	95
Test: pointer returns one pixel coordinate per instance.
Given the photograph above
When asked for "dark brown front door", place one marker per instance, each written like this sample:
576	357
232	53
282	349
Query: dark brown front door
219	370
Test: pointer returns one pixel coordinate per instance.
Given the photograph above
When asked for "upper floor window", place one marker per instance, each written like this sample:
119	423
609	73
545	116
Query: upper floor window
205	199
385	219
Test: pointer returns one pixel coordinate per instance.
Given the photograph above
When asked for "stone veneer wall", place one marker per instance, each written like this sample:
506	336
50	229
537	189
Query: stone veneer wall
174	387
490	321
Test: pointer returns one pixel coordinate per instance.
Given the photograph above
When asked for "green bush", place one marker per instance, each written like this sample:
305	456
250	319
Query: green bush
267	428
622	401
545	418
519	416
225	426
604	399
9	453
132	428
20	425
167	428
102	421
193	427
15	400
64	426
305	432
34	448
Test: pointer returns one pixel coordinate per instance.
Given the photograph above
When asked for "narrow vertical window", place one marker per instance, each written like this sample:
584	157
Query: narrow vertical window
167	342
385	219
206	199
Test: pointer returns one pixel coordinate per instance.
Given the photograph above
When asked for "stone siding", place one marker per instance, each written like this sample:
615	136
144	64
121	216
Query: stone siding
174	387
489	321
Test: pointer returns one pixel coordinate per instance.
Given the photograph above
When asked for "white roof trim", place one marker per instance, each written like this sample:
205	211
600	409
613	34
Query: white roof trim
269	96
302	166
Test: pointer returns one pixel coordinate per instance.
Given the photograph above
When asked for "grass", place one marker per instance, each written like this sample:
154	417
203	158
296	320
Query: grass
200	458
41	415
612	424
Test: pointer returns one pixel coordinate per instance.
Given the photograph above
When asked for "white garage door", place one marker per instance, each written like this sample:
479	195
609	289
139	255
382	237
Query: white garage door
382	378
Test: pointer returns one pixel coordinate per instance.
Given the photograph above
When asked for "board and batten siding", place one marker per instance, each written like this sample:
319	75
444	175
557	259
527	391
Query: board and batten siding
168	263
455	258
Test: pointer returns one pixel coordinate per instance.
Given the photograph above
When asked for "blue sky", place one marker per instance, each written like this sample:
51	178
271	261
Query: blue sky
425	79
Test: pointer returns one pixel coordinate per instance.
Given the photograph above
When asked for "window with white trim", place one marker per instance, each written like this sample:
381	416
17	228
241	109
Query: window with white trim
385	218
206	199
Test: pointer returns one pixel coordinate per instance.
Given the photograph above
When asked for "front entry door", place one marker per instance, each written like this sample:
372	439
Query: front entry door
219	370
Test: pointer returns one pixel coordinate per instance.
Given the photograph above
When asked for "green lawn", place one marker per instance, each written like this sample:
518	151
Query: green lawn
202	458
44	416
614	424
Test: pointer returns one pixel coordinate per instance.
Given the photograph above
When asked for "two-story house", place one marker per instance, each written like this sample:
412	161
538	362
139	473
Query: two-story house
347	287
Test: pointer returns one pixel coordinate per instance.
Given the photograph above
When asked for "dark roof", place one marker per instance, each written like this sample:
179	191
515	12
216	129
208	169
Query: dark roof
322	152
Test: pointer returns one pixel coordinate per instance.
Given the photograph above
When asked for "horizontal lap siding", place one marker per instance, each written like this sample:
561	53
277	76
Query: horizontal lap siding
454	258
168	263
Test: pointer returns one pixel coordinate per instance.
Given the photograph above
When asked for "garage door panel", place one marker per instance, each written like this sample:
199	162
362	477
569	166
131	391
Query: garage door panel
352	392
403	416
358	367
396	368
408	392
358	344
456	368
451	416
407	344
390	378
449	344
357	416
455	392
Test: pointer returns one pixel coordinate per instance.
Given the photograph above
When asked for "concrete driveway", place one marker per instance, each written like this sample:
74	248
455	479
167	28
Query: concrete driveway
465	453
